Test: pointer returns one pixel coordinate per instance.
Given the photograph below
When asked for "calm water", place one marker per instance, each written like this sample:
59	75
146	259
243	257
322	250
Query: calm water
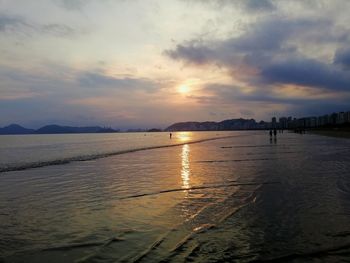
28	151
241	198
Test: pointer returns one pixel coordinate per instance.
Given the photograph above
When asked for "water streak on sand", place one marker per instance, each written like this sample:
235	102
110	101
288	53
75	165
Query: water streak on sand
197	188
82	245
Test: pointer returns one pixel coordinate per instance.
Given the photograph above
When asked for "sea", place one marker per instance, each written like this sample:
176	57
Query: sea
236	196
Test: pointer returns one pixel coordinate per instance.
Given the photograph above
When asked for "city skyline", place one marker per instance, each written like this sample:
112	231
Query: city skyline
131	64
326	121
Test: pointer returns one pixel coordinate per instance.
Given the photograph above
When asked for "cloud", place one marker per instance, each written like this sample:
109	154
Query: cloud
269	102
251	6
306	72
246	112
9	24
98	80
77	97
274	50
58	30
72	4
192	52
258	5
342	58
272	36
18	25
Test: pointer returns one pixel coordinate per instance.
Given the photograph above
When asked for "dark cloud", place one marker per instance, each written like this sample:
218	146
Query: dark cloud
251	6
342	58
306	72
271	48
12	23
258	5
261	43
192	52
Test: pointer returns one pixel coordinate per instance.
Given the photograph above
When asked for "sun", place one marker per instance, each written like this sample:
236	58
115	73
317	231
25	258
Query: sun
183	89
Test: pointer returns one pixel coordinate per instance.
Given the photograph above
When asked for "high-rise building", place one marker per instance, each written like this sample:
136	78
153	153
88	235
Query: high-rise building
274	123
283	123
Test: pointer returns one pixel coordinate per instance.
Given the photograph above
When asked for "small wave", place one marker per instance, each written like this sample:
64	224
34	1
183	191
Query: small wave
196	188
98	156
237	160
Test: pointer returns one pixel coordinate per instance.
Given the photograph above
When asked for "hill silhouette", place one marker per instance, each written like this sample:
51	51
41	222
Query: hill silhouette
54	129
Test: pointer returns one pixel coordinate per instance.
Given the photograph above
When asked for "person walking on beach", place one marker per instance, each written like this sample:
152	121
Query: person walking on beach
271	134
275	132
170	135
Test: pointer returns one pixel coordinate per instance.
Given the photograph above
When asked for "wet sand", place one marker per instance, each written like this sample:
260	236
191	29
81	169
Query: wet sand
241	199
340	133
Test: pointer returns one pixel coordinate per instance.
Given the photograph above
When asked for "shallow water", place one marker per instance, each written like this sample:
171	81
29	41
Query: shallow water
243	198
19	152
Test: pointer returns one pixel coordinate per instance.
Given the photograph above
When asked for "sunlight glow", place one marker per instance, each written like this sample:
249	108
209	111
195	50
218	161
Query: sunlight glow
183	89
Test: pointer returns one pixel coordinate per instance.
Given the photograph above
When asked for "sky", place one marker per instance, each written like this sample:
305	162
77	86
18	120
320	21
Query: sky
147	63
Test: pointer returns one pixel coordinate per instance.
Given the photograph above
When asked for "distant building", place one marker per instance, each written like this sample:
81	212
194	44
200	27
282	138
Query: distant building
347	117
283	123
274	123
340	118
333	119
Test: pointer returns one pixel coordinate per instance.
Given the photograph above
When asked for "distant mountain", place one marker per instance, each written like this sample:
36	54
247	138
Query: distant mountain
54	129
226	125
193	126
15	129
48	129
154	130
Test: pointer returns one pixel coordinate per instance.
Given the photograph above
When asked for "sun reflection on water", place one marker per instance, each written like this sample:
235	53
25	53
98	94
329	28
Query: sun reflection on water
185	166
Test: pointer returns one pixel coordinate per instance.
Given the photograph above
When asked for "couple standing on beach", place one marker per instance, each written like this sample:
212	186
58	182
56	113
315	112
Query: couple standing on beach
274	133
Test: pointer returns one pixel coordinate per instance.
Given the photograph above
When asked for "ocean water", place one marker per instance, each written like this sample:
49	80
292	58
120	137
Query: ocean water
199	197
29	151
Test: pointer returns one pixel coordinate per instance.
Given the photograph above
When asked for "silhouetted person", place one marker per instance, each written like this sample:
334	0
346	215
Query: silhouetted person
270	133
275	132
170	135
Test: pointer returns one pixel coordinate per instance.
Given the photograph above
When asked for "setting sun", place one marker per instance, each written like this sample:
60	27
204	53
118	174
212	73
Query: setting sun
183	89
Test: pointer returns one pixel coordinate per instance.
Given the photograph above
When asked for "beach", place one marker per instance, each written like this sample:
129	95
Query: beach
198	197
335	132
